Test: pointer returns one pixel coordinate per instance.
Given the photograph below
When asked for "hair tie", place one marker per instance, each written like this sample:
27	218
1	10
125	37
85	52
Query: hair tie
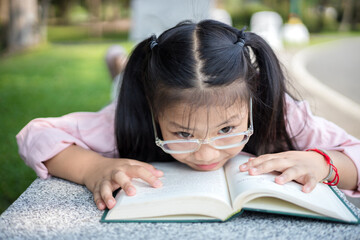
153	43
241	37
241	42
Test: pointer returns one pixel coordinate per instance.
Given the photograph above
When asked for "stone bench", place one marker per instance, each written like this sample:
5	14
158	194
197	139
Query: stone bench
59	209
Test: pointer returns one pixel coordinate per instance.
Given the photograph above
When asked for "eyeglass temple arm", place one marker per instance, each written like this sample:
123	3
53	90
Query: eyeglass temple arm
153	123
251	115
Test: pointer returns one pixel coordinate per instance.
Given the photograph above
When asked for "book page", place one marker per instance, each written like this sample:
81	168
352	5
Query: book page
244	188
180	182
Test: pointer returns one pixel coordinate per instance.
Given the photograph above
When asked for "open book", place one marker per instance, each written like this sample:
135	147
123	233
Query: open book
190	195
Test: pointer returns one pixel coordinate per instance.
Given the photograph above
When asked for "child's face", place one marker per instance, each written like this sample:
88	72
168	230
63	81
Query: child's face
204	123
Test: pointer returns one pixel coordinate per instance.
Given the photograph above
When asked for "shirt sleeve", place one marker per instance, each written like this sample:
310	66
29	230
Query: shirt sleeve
43	138
309	131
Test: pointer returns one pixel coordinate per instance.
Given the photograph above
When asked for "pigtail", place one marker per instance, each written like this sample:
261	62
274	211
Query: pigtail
268	88
133	124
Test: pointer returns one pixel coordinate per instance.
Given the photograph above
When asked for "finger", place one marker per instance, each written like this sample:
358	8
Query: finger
98	200
310	184
144	174
149	167
253	163
124	181
245	166
269	165
288	175
106	194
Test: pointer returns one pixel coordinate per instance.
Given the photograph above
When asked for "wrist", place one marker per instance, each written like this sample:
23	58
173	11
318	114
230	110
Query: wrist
92	168
332	177
319	163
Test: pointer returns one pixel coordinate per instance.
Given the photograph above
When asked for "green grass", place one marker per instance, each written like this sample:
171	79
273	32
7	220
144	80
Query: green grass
331	36
81	34
45	82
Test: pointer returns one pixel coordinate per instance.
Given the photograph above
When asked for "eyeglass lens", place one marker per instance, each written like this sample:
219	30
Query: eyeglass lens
218	142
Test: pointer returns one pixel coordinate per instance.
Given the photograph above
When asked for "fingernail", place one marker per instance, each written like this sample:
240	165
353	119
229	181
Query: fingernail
157	183
307	189
253	170
251	158
131	190
280	179
110	202
101	205
159	172
243	167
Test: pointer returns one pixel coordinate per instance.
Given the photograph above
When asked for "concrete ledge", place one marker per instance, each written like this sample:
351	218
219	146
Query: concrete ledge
59	209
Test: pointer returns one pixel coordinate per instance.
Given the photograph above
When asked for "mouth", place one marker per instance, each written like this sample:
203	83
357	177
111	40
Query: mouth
207	167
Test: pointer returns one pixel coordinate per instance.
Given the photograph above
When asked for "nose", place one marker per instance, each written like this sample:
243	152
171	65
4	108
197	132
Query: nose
206	153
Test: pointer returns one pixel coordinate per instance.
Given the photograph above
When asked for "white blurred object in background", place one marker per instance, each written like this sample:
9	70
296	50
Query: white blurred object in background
156	16
268	25
295	32
221	15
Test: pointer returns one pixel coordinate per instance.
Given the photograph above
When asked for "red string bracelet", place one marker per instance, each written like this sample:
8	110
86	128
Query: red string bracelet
328	160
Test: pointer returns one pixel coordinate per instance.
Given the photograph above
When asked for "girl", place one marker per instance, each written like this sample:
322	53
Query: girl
199	94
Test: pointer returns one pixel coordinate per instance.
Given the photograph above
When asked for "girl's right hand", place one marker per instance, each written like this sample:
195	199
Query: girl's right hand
112	173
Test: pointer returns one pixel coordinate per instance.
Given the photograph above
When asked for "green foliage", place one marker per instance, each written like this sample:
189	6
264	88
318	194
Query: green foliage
318	21
241	15
47	82
78	14
318	16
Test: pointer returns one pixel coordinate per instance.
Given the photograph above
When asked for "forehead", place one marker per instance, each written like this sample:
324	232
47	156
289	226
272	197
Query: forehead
183	112
190	100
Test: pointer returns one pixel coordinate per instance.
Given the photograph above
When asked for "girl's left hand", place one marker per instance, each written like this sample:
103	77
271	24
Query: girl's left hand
306	168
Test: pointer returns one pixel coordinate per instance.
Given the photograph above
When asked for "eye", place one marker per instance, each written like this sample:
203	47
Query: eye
226	130
184	135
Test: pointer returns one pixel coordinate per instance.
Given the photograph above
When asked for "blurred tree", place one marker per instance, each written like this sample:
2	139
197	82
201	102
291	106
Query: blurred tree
348	16
62	10
44	10
110	10
94	7
4	19
22	30
4	11
114	9
26	24
356	21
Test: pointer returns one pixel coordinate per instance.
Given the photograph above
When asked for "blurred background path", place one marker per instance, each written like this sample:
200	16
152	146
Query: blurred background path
337	64
327	75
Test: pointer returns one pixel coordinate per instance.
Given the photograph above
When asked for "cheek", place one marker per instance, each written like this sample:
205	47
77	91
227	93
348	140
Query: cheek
232	152
181	157
166	135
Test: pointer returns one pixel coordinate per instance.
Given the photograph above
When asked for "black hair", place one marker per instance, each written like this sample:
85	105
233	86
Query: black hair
198	63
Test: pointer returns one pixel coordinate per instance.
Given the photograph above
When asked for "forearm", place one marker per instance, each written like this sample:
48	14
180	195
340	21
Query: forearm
73	163
346	169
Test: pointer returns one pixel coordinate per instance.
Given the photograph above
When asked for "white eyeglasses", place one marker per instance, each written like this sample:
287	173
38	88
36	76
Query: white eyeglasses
192	145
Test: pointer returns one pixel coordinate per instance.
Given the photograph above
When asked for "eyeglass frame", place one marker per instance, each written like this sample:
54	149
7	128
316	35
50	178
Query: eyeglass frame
160	143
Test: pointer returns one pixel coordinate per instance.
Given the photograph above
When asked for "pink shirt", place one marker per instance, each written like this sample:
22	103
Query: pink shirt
43	138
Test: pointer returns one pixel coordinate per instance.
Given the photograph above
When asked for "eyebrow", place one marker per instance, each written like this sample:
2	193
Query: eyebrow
228	120
175	124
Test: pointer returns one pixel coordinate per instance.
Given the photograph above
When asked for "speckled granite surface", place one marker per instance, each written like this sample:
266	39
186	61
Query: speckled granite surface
58	209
